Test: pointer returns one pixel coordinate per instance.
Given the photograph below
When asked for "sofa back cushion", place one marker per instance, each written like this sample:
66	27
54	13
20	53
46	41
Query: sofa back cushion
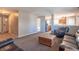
73	29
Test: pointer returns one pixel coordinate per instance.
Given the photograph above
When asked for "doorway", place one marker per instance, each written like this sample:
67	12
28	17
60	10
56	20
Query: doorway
48	26
48	23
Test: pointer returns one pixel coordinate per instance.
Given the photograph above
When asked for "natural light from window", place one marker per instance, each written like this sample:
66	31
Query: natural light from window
69	20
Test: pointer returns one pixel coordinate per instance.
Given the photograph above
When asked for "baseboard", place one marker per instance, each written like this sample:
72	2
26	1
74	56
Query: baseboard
26	35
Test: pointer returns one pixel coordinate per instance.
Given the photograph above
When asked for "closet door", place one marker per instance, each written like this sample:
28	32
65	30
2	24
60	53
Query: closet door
5	24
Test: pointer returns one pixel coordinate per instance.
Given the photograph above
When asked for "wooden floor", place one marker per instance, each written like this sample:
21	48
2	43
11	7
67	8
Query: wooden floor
6	36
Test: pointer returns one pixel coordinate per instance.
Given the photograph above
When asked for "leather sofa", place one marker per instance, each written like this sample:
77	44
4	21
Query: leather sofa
9	45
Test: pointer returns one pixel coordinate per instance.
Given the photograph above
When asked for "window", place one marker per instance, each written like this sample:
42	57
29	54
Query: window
38	24
70	21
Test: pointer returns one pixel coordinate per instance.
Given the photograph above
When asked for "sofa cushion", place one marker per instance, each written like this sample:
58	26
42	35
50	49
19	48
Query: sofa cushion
8	45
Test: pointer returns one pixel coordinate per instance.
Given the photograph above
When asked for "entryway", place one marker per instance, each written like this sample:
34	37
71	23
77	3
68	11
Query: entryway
8	24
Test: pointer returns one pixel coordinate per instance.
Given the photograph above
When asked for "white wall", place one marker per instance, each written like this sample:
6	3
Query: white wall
42	24
26	24
77	20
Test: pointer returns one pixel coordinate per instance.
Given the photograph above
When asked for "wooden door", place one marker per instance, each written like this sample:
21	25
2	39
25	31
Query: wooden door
15	25
0	24
5	24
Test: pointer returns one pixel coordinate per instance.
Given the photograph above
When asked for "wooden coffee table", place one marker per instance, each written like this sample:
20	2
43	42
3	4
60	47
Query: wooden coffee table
47	39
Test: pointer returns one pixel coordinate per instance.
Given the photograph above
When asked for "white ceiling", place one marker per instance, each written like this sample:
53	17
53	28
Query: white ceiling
42	11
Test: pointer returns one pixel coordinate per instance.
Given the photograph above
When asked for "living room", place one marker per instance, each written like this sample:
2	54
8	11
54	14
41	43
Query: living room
34	22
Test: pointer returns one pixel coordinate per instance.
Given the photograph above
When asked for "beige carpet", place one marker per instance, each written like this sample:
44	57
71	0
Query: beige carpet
30	43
